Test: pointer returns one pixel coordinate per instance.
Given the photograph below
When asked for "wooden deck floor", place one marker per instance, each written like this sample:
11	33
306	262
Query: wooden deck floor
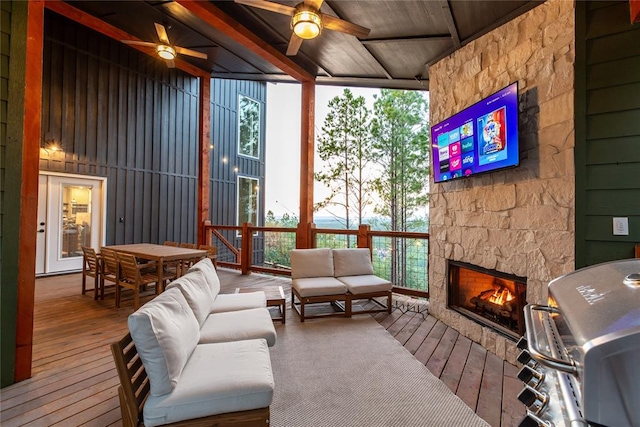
74	379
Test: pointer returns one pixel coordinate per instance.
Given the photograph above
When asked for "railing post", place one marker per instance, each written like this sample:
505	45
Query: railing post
364	237
304	236
207	233
247	248
313	237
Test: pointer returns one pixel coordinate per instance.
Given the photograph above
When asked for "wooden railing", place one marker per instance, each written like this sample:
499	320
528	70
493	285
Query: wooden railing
397	249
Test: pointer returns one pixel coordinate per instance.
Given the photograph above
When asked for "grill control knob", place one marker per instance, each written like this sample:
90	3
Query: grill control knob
522	343
533	399
525	358
530	376
531	420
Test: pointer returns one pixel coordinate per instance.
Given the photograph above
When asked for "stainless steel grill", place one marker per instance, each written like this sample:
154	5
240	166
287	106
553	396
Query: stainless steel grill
581	353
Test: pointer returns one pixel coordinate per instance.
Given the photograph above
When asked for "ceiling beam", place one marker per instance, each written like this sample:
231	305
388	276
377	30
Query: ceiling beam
406	39
90	21
215	17
397	83
451	24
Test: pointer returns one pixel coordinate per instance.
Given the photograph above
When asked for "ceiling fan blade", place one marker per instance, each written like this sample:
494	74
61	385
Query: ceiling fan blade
139	43
268	5
171	63
294	45
314	3
189	52
337	24
162	33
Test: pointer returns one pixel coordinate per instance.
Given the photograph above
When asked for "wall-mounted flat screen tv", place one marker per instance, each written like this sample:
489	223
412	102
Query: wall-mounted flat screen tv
478	139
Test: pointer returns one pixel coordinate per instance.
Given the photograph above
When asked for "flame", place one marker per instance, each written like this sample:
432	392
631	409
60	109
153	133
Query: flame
500	296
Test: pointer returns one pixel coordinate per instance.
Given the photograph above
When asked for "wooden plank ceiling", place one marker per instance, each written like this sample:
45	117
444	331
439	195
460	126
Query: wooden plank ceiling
406	36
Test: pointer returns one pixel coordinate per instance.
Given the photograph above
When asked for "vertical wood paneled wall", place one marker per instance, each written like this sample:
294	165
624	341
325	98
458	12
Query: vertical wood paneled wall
607	131
5	36
224	156
8	273
122	114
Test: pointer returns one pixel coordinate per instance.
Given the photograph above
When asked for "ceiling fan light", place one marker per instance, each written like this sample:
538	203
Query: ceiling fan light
306	24
166	52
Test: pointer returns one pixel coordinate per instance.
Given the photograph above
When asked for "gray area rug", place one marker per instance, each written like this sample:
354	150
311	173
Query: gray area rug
351	372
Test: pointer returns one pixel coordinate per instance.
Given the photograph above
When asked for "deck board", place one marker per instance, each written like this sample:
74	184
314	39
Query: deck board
469	385
512	409
455	363
409	329
441	354
418	337
430	343
74	378
490	398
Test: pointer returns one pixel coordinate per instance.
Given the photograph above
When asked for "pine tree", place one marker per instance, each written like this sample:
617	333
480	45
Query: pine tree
345	148
400	134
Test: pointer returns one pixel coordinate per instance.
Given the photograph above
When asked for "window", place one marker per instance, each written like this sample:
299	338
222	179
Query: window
249	127
247	200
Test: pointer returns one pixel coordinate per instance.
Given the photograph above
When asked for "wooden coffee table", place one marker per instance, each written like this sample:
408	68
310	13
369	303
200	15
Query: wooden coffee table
275	298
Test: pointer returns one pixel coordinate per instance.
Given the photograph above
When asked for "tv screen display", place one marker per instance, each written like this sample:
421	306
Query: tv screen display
480	138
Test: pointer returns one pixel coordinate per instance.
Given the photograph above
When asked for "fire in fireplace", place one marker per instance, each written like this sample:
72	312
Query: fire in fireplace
491	298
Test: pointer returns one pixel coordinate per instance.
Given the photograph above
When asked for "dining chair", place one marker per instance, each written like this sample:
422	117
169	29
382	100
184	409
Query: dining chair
187	263
110	269
135	275
170	243
92	267
212	254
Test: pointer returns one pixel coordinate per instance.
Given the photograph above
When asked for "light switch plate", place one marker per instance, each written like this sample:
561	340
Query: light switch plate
620	226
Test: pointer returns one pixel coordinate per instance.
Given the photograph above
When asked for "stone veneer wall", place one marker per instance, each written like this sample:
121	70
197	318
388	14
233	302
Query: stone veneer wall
519	221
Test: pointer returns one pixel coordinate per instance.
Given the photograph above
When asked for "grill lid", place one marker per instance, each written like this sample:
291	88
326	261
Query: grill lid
598	301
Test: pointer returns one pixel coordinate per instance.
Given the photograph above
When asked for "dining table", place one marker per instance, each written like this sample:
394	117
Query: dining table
161	254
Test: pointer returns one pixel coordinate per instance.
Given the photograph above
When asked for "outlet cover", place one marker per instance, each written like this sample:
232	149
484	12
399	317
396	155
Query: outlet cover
620	226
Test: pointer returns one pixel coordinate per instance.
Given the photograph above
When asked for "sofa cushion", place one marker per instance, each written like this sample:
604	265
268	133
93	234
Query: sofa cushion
240	301
318	286
238	325
196	291
352	262
366	284
311	263
165	332
206	266
218	378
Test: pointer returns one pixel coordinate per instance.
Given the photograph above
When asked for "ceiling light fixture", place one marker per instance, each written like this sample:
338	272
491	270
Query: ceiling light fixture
166	52
306	22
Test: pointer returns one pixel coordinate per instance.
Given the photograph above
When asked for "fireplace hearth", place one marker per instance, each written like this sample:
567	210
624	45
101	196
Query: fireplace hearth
491	298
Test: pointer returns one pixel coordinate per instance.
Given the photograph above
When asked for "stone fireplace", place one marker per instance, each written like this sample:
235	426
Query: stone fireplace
488	297
520	221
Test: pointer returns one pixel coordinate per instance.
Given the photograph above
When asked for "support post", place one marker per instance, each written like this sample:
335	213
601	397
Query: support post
21	178
204	148
307	153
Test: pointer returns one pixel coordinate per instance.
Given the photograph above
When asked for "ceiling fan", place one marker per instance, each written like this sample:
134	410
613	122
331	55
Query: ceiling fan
165	49
307	21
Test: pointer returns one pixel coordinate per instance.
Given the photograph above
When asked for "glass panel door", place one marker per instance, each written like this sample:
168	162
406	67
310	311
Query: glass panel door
73	220
76	220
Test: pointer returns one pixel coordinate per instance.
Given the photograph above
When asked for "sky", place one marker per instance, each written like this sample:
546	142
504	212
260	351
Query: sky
282	175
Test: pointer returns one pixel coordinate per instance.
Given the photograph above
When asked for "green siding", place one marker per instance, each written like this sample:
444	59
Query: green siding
14	19
607	131
7	312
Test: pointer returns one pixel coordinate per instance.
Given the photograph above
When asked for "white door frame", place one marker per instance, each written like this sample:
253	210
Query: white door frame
46	265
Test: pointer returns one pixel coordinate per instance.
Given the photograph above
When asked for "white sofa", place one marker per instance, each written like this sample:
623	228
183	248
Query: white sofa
200	362
336	275
221	317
